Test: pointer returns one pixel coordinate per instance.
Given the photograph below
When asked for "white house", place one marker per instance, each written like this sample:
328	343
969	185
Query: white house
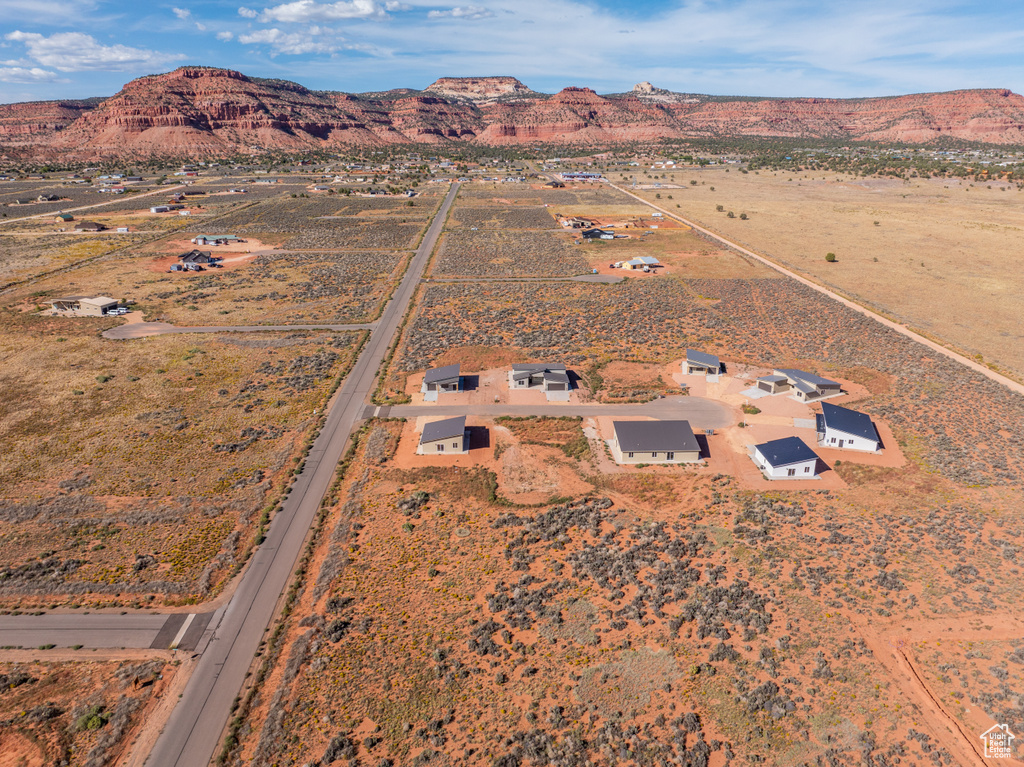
786	458
447	437
847	429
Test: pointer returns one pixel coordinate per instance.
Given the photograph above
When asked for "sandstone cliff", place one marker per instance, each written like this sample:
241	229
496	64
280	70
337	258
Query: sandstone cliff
206	111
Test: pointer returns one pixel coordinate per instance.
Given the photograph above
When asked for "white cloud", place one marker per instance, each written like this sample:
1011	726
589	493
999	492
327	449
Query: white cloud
182	13
392	5
225	36
470	12
247	13
77	52
26	75
293	43
302	11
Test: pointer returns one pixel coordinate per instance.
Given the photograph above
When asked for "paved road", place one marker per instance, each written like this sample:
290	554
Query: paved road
700	412
902	329
194	730
104	630
146	329
607	279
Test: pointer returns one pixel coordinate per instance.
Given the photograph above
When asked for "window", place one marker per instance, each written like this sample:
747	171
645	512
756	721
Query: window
654	455
790	472
670	456
630	455
455	445
833	440
440	448
807	469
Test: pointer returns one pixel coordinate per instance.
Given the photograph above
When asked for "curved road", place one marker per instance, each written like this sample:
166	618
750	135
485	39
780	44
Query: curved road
194	729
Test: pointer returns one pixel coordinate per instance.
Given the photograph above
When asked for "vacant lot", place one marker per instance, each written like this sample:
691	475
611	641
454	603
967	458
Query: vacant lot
903	247
505	217
507	253
75	713
142	466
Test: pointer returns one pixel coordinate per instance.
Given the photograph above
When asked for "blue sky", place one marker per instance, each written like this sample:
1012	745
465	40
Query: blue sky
75	48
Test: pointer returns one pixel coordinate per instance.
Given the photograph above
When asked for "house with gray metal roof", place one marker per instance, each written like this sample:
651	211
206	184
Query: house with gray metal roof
786	458
846	429
654	442
84	306
551	378
444	437
701	363
436	380
808	387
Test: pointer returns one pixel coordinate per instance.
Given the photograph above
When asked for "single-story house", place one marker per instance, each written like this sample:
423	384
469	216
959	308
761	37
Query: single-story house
552	378
841	427
808	386
441	379
701	363
646	263
598	234
786	458
47	198
577	223
654	442
773	384
89	226
63	218
447	436
198	257
215	239
87	306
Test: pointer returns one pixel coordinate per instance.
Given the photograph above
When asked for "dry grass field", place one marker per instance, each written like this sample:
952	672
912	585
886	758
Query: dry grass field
142	466
77	713
941	255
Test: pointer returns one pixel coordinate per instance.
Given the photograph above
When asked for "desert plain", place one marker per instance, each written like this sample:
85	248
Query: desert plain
530	601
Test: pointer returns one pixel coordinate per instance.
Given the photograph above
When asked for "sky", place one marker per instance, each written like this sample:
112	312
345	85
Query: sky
52	49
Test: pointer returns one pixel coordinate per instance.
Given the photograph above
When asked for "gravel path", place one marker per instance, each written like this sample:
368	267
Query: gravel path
146	329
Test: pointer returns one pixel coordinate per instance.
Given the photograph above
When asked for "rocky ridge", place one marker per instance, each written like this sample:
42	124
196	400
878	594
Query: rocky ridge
201	111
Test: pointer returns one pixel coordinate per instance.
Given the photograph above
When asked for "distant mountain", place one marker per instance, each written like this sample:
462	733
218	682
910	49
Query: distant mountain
204	111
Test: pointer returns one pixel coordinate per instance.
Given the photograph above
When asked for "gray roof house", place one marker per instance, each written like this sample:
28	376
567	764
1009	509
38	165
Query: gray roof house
786	458
198	257
444	437
846	429
654	442
551	378
441	379
808	386
701	363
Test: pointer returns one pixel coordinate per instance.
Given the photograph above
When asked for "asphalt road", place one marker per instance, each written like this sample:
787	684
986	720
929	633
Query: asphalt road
700	412
104	630
146	329
194	730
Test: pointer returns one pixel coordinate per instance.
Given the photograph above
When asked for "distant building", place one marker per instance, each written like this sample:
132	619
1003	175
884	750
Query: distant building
786	458
63	218
216	239
643	263
89	226
85	306
198	257
840	427
654	442
598	234
447	436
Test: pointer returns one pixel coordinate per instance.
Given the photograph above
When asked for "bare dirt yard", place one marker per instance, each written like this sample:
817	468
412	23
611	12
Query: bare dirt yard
902	247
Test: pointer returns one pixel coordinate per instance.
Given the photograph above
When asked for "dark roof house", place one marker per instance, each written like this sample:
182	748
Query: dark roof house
844	428
654	442
786	458
701	362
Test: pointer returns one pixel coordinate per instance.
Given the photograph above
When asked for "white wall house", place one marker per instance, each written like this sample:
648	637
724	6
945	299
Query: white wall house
846	429
786	458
